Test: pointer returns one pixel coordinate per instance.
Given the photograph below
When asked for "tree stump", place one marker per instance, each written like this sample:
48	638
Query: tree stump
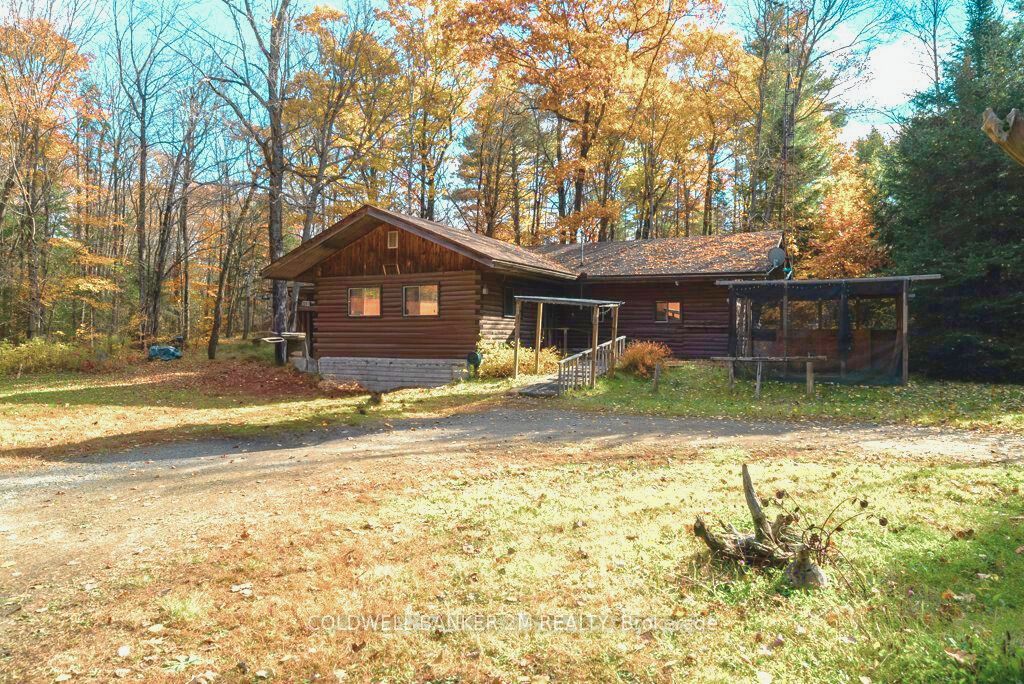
772	544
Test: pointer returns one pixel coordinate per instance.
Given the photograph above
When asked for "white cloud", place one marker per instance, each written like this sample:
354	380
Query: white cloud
894	73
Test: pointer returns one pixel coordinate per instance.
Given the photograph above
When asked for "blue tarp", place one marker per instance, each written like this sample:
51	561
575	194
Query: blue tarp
164	353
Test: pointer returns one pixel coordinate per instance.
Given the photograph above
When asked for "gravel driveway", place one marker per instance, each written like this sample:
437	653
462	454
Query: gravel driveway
100	510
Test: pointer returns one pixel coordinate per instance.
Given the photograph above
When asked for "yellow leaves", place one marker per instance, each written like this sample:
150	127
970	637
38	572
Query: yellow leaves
844	245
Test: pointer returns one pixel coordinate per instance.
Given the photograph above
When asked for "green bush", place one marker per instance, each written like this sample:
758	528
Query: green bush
642	356
498	360
40	355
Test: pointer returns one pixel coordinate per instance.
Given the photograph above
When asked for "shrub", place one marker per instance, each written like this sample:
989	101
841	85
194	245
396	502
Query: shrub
498	360
41	355
642	356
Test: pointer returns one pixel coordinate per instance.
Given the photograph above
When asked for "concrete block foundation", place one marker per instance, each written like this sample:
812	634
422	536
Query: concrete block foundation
384	374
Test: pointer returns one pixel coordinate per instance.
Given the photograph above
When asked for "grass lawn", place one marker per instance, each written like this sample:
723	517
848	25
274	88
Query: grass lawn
56	415
702	389
554	547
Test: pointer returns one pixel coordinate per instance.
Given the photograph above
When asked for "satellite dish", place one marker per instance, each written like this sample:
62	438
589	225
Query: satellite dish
777	256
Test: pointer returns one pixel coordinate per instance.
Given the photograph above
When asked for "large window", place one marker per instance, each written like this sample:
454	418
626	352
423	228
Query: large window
364	301
420	300
509	306
668	312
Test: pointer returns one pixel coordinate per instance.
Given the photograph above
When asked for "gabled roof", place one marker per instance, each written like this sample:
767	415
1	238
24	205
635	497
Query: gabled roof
737	253
487	251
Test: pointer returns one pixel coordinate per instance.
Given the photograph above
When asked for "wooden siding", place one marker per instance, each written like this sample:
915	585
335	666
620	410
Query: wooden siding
450	335
494	326
703	331
370	254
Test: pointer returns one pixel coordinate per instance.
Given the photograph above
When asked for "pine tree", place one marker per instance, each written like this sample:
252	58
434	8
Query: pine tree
953	203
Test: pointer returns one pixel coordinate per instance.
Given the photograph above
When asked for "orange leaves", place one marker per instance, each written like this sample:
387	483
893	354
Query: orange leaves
844	245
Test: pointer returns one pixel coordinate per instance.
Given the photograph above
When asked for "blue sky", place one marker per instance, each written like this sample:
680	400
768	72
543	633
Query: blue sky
895	71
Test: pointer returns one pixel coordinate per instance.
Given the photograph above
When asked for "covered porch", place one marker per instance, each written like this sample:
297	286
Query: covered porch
583	368
854	330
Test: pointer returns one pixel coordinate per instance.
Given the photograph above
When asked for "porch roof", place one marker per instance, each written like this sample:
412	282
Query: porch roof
570	301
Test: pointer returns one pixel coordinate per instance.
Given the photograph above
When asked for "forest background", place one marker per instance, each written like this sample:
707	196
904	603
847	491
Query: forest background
155	155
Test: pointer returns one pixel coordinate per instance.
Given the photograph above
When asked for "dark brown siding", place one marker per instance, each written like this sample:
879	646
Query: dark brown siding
369	255
704	330
494	326
450	335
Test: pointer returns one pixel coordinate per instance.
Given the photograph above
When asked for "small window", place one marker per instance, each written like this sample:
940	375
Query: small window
364	301
509	307
420	300
392	239
668	312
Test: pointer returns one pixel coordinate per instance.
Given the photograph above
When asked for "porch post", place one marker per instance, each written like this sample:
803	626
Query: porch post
615	337
594	318
785	328
515	349
536	338
905	335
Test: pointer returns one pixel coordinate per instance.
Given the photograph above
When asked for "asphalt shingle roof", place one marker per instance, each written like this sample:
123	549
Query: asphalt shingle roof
704	255
698	255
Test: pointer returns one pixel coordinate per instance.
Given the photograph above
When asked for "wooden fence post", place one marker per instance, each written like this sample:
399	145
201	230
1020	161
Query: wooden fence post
810	379
657	377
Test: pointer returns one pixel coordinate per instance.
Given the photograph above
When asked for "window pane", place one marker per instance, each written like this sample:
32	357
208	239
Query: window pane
421	300
364	301
510	302
667	311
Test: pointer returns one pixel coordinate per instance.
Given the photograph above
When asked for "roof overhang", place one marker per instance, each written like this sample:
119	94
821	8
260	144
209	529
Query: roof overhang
663	277
298	262
830	281
343	233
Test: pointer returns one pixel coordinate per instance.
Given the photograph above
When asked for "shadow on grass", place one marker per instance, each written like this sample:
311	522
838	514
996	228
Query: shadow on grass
200	439
302	426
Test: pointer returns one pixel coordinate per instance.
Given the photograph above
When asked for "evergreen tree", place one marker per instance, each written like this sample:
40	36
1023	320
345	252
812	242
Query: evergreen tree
952	203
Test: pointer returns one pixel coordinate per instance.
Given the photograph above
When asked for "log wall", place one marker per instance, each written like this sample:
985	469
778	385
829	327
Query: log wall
703	331
450	335
494	325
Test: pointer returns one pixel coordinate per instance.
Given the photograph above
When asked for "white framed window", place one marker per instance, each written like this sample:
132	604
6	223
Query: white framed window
363	301
421	300
668	312
392	239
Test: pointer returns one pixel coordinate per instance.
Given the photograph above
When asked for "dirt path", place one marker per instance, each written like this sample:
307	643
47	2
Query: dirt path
66	523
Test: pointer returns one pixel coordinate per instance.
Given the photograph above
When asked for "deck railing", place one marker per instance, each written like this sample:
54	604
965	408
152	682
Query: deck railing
574	371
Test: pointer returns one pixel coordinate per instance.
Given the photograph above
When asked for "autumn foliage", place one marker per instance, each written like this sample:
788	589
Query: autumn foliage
845	244
149	171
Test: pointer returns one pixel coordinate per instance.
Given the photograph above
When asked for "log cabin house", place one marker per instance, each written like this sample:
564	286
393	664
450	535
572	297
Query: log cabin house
391	300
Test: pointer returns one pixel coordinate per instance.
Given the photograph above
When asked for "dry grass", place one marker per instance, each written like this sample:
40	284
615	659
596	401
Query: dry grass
55	416
560	535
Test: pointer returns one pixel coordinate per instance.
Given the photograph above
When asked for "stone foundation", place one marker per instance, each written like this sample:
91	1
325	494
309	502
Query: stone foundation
382	375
